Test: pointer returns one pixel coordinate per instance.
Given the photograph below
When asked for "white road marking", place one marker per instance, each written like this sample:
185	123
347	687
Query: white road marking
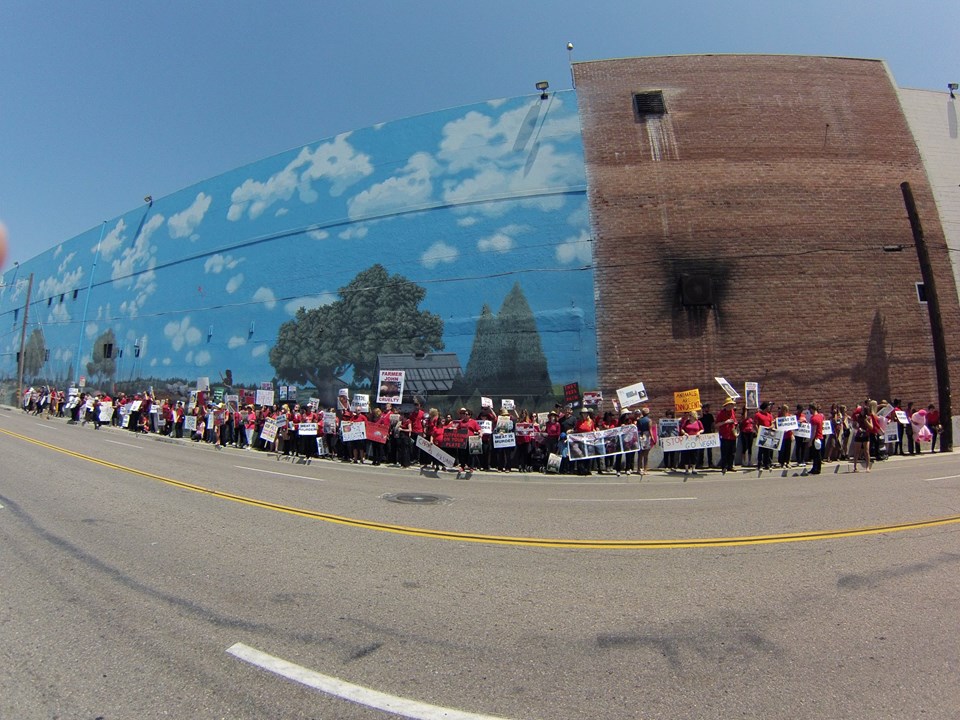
620	501
44	425
272	472
117	442
348	691
945	477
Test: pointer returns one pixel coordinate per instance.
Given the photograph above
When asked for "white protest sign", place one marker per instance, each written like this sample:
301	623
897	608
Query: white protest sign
769	438
504	440
307	428
486	426
361	403
203	384
752	392
264	398
902	417
486	402
435	452
508	405
189	423
350	431
690	442
391	386
106	413
727	388
787	422
135	405
269	431
804	430
632	394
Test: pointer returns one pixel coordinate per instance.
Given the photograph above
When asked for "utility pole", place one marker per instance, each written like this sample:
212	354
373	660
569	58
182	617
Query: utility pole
23	338
936	321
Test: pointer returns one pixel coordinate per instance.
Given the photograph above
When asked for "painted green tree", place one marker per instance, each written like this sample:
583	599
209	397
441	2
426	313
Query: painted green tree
102	365
34	354
338	344
507	356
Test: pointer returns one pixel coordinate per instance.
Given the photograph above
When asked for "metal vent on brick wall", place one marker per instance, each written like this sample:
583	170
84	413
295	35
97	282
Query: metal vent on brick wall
649	103
696	290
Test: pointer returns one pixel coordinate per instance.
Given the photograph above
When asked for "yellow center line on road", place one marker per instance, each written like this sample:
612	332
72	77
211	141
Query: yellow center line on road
506	540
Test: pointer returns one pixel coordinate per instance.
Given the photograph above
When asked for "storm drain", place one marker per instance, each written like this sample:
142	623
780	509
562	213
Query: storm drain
417	498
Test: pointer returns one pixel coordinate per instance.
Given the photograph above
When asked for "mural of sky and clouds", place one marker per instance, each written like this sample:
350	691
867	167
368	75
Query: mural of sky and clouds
466	202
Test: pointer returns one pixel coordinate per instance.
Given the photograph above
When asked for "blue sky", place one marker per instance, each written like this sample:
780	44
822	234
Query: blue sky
103	103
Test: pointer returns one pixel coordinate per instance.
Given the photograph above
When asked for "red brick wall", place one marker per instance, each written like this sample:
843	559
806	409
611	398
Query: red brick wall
779	177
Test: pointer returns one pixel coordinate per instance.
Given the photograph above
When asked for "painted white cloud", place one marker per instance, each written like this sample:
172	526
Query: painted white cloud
184	223
467	221
234	283
407	189
202	358
336	162
310	302
354	232
281	212
236	341
112	240
181	333
319	234
502	240
167	362
217	263
138	256
438	253
576	249
265	295
56	253
258	351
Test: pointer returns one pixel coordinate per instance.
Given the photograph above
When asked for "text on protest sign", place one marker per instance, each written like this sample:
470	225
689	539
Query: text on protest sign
269	431
504	440
803	431
264	398
769	438
686	401
435	452
307	428
350	431
787	422
391	387
632	394
727	388
690	442
600	443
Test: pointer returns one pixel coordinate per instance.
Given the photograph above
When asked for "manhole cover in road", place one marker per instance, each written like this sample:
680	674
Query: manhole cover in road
416	498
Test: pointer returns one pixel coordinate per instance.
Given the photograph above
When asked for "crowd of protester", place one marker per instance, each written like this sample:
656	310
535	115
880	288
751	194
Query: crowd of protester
304	432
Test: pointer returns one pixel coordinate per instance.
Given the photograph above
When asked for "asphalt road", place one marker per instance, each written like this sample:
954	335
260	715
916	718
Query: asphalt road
135	571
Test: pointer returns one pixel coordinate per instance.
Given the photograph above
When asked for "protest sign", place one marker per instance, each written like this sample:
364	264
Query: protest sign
803	430
361	403
632	395
752	392
350	431
125	421
390	389
454	438
885	411
269	431
690	442
322	447
788	422
343	398
507	404
264	398
475	445
106	413
282	393
232	401
668	427
435	452
592	398
891	434
486	402
486	426
135	406
330	423
769	438
600	443
307	428
827	427
727	388
686	401
203	384
377	433
571	394
504	440
266	385
902	417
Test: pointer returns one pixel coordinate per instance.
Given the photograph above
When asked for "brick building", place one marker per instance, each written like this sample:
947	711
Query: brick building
740	206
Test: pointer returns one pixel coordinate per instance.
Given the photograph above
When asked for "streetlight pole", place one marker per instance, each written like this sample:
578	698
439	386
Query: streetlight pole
936	321
23	338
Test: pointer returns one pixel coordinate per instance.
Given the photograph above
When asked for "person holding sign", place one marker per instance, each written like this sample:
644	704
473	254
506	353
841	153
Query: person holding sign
504	454
763	418
816	438
727	427
690	425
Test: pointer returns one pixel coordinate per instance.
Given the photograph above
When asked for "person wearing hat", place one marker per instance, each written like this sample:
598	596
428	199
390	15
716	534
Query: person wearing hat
763	418
553	428
504	455
728	428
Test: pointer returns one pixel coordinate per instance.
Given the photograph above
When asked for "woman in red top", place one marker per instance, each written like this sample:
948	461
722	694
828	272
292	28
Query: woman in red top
690	425
727	427
748	434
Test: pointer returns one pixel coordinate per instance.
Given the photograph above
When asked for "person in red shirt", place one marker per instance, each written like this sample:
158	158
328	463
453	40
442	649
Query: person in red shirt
816	438
762	418
727	427
933	424
473	429
690	425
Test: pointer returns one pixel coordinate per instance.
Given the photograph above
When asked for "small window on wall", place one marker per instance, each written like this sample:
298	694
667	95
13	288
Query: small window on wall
75	293
649	104
107	351
921	293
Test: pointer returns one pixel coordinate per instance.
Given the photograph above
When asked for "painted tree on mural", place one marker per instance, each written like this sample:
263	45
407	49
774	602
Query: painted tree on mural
34	354
338	344
102	365
507	356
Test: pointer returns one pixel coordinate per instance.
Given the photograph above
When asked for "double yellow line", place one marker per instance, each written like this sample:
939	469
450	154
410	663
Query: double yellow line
505	540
